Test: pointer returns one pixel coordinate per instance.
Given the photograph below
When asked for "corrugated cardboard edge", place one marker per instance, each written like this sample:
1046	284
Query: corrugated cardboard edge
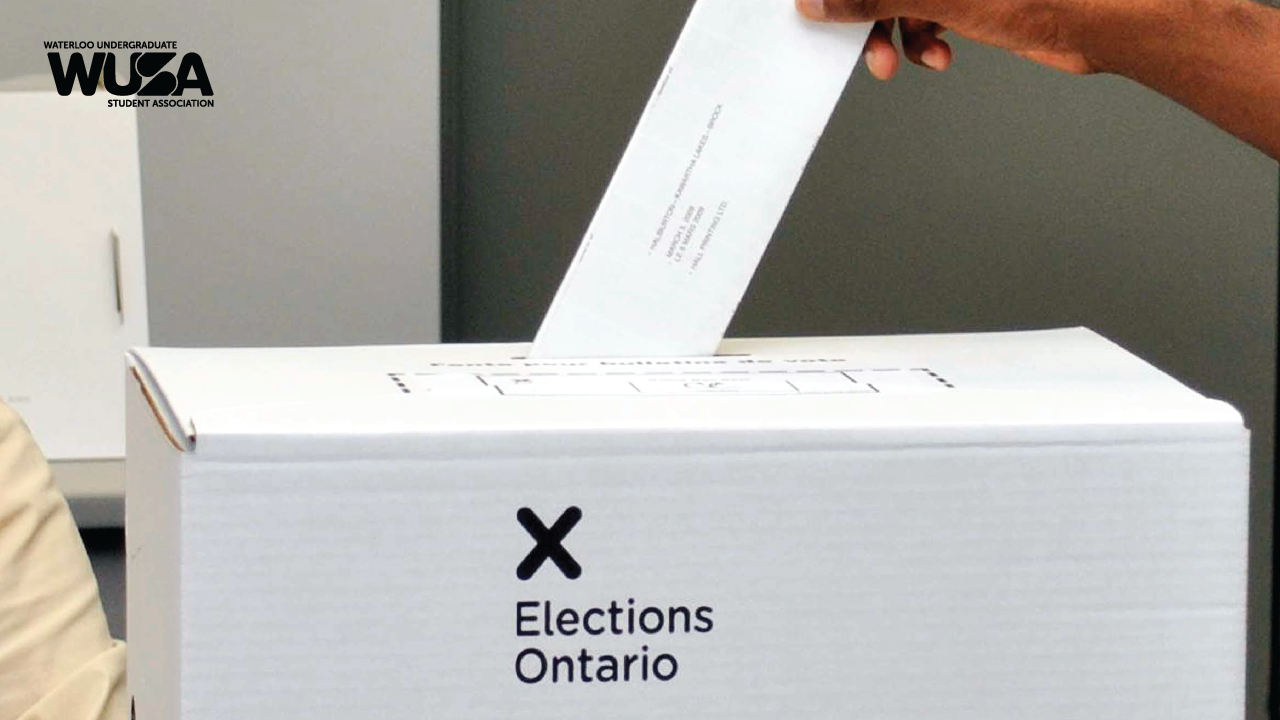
164	413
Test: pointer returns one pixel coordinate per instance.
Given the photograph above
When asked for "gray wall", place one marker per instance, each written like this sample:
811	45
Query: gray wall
999	195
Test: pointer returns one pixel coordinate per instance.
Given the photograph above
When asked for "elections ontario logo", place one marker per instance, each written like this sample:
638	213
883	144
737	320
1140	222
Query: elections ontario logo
601	644
140	74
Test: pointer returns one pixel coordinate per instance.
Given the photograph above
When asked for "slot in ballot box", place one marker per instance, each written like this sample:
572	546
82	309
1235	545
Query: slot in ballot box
974	527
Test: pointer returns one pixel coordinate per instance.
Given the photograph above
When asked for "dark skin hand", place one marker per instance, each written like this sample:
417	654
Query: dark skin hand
1220	58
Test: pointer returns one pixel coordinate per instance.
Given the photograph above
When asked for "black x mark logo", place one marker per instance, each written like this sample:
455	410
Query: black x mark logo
549	543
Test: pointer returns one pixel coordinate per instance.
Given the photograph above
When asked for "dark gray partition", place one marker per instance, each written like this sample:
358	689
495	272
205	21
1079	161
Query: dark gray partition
998	195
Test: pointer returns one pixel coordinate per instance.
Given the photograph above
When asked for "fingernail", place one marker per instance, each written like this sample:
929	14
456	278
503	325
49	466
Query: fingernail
934	58
814	9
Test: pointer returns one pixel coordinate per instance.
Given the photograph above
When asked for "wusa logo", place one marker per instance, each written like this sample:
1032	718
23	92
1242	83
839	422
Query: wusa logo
150	73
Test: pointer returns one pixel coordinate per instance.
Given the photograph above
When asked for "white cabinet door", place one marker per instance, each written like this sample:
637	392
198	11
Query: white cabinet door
72	271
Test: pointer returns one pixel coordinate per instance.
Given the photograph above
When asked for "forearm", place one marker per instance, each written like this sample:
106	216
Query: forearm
1220	58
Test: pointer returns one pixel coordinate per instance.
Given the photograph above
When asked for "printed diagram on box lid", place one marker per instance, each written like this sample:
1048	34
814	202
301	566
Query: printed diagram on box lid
679	376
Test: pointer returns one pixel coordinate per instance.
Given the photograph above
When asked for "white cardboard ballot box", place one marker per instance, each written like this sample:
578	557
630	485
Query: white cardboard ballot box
1008	526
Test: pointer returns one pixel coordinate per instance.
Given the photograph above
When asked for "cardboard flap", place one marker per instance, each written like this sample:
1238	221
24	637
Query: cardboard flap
1027	380
181	433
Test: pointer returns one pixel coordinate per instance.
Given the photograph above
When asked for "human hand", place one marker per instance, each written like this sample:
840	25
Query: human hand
1221	58
1050	32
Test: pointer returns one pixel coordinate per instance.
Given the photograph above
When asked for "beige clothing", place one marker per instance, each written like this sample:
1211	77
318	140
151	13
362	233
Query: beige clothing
57	659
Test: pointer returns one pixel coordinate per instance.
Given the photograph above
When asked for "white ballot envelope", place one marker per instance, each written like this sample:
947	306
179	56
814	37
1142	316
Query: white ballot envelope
703	184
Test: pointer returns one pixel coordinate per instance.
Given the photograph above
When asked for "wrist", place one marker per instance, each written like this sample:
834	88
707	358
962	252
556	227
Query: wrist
1217	57
1145	39
1130	36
